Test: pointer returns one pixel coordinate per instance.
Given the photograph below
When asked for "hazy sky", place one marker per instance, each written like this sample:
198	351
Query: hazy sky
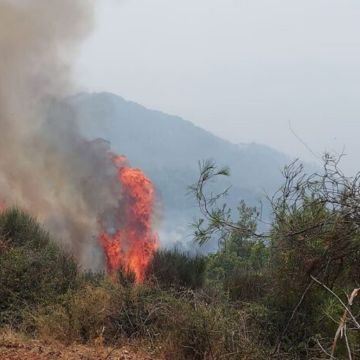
242	69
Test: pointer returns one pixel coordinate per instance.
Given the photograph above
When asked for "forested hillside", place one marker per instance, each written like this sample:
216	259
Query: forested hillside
169	148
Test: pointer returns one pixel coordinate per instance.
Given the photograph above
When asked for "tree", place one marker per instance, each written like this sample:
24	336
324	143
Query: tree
314	234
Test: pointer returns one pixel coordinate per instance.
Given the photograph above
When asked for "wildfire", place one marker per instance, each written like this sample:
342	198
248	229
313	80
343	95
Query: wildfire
132	245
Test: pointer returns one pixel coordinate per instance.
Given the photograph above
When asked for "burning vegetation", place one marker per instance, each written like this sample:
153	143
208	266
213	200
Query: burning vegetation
261	295
92	202
131	244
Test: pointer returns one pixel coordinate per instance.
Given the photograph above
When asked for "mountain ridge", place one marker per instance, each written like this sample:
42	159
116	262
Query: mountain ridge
168	149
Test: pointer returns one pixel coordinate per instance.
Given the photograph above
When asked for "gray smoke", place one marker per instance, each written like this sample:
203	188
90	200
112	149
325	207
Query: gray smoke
46	167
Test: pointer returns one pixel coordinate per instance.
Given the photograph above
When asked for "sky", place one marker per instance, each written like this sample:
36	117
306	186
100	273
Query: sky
285	73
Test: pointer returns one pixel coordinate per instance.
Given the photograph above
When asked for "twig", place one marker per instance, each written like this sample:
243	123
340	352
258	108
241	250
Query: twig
338	298
341	330
347	343
324	351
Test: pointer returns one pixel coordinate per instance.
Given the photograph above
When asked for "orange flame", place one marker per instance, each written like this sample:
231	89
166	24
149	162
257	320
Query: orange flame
134	242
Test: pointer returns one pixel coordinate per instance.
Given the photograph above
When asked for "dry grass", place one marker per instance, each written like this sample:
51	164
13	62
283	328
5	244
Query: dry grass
16	346
80	317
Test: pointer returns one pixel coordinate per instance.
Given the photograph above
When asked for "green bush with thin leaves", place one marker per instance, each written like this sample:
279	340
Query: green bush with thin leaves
172	268
33	269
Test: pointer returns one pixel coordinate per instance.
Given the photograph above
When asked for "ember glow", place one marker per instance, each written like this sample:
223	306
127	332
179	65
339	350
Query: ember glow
132	244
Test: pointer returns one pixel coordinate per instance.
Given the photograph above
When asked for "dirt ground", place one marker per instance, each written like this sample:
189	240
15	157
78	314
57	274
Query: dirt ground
13	347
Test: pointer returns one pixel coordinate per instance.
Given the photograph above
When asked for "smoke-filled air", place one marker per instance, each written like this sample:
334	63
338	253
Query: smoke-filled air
87	200
130	233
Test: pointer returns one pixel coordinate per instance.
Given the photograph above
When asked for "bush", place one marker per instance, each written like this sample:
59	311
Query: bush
80	316
324	251
171	268
246	285
239	275
211	331
187	324
42	293
33	270
18	229
314	234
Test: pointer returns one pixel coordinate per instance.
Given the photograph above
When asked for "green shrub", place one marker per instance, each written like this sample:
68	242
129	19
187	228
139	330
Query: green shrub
239	275
20	229
323	251
246	285
186	324
33	270
204	330
42	292
171	268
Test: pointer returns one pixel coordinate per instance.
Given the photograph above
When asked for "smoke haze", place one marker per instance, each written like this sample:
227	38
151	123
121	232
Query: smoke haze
46	167
240	69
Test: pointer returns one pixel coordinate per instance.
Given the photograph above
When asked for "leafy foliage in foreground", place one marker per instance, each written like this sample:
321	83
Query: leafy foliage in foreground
309	254
43	294
33	269
279	293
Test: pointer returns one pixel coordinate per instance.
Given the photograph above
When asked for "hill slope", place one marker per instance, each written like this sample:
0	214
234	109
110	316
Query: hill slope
168	149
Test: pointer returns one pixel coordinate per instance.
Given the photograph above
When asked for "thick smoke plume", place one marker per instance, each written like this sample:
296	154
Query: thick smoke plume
46	167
